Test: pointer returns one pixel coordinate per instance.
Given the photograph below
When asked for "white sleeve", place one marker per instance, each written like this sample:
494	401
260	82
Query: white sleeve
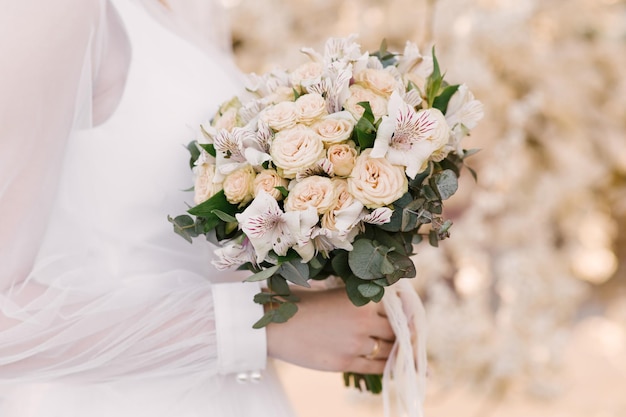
53	329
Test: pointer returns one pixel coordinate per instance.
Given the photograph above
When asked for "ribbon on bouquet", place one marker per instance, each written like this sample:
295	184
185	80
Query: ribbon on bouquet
406	367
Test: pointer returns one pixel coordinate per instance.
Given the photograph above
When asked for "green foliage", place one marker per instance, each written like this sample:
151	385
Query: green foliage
365	128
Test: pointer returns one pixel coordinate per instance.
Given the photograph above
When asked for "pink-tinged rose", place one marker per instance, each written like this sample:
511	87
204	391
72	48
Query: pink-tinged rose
280	116
239	186
205	187
378	80
310	107
358	94
315	191
335	128
343	199
227	121
295	149
282	93
375	182
343	157
306	74
267	180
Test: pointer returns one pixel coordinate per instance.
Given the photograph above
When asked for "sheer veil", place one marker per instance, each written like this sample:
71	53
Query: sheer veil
64	73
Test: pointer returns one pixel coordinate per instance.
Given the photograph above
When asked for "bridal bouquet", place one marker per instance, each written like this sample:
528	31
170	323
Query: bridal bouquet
334	169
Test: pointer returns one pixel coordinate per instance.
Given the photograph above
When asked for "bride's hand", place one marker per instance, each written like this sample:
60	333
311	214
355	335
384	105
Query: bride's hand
329	333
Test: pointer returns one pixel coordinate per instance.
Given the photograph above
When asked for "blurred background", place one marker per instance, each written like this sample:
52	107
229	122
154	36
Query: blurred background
527	300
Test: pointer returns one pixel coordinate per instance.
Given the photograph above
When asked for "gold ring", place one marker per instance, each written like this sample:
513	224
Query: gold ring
375	350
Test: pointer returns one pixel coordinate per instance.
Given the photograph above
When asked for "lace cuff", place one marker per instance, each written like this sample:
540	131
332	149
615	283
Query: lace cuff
240	348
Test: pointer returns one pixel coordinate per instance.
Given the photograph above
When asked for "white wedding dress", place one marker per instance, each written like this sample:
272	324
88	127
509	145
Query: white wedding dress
104	311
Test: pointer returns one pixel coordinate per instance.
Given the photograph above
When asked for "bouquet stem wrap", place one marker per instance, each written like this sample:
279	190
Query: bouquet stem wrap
407	363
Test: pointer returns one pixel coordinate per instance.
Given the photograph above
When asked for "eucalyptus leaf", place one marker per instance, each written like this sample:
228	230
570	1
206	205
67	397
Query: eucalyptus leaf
296	272
352	290
281	314
339	262
264	274
194	153
369	289
278	285
365	259
403	267
433	239
184	226
447	183
386	267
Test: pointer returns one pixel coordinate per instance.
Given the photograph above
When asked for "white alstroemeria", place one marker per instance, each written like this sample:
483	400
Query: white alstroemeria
464	109
269	228
256	147
325	240
266	84
378	216
412	61
234	253
229	149
336	49
408	138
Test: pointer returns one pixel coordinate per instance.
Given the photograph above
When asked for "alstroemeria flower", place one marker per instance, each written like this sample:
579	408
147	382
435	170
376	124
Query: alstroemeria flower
233	254
407	137
269	228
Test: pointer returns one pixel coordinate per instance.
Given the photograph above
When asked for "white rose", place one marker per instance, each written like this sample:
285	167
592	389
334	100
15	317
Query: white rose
378	80
280	116
282	93
295	149
343	157
343	199
375	182
204	187
239	186
267	180
308	73
313	191
227	121
310	107
358	93
335	128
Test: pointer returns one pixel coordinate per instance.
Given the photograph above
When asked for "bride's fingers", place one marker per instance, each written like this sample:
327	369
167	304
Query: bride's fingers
381	329
377	349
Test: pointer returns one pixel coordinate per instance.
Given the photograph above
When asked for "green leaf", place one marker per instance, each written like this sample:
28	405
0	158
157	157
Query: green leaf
263	274
447	183
442	100
184	226
339	262
216	202
433	239
295	271
365	128
386	267
352	290
369	289
194	153
209	148
366	259
403	267
225	216
429	193
434	81
282	190
278	285
263	298
281	314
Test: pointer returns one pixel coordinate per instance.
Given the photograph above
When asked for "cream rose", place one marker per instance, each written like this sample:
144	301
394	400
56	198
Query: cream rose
267	180
282	93
335	128
280	116
358	93
378	80
343	199
343	157
204	187
227	121
305	74
239	186
313	191
294	149
310	107
375	182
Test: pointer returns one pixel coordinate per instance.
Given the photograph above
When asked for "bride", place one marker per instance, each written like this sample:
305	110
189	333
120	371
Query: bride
103	310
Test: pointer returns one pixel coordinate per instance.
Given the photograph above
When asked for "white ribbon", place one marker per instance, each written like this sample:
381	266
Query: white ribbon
405	371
